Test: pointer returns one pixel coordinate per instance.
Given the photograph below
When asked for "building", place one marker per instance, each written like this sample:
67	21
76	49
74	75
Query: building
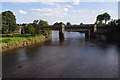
20	29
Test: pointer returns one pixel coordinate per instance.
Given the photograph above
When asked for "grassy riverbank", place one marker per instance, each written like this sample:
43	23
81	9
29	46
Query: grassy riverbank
18	41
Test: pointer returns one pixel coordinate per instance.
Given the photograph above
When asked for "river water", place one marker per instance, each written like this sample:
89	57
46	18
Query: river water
74	57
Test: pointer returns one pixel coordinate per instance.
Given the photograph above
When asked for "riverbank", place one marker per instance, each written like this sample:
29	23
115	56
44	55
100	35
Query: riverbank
19	42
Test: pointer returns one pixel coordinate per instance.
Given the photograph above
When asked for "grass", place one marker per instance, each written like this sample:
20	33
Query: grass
19	38
10	41
7	39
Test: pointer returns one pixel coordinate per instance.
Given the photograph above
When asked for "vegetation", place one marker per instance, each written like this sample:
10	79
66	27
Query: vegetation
35	21
116	24
61	23
6	39
0	23
68	23
17	37
20	41
105	16
56	24
9	26
8	22
23	24
81	24
115	32
29	29
43	23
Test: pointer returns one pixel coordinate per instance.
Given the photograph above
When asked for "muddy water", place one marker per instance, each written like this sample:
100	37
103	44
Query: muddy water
73	57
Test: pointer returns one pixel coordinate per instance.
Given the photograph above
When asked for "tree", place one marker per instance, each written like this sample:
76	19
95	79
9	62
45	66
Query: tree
29	29
100	19
100	22
61	23
43	23
118	25
113	23
106	17
0	23
81	24
35	21
55	24
23	24
118	22
68	23
8	22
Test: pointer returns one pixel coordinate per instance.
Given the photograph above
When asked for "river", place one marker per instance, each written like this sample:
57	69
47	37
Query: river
74	57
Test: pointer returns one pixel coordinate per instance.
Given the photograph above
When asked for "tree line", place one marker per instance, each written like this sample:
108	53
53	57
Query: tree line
9	23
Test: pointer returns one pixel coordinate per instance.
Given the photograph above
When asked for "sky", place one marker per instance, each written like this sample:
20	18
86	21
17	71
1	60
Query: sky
119	10
73	12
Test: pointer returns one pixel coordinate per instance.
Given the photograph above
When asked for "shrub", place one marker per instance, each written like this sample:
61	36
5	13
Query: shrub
29	29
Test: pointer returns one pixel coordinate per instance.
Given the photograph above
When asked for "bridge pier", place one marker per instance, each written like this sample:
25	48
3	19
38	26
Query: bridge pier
62	32
95	28
90	34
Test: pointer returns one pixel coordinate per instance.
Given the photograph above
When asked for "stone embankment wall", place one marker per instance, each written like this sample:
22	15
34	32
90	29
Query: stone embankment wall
23	43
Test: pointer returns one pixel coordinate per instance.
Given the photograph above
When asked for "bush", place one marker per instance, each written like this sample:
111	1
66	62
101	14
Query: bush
29	29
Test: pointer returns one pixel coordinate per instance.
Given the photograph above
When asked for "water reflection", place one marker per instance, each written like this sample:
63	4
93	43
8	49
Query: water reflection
72	57
61	41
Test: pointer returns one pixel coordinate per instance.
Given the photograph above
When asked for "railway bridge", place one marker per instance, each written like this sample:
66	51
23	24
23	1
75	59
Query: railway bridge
89	30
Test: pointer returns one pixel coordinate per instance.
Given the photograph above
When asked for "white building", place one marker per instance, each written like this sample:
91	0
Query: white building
20	29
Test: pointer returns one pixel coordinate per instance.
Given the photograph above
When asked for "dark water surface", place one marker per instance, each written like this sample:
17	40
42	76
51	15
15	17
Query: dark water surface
74	57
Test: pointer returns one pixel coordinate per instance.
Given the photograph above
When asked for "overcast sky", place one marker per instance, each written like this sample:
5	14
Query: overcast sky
73	12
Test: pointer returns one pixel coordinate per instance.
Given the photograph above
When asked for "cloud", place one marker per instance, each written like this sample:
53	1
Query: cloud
76	2
46	14
51	15
79	11
43	9
101	10
69	6
93	11
50	3
22	12
56	13
74	11
110	10
65	9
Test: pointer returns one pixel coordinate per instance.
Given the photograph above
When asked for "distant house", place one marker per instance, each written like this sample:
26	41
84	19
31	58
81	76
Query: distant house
20	29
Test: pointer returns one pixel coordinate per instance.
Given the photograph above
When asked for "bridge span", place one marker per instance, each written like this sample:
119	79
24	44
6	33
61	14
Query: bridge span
89	30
